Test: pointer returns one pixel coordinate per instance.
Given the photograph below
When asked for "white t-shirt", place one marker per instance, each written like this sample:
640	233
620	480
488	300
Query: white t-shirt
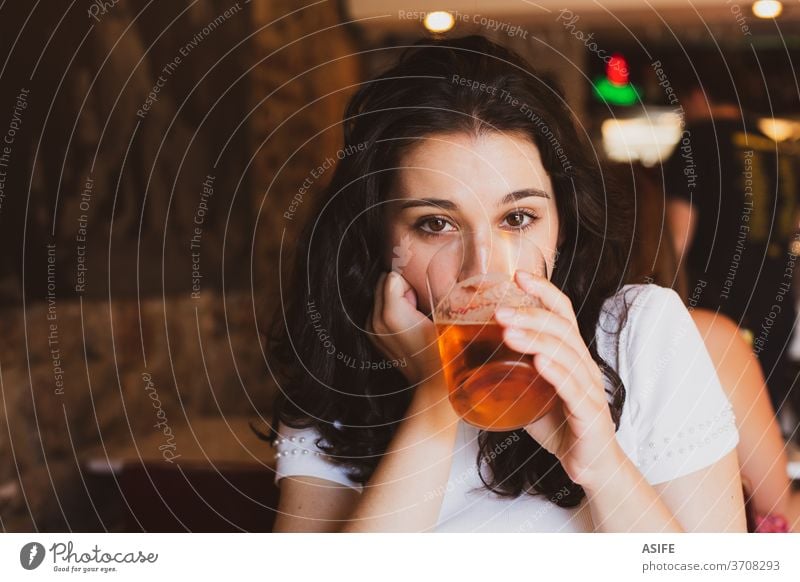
675	420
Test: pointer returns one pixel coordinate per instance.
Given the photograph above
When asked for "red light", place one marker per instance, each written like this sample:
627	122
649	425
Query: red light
617	70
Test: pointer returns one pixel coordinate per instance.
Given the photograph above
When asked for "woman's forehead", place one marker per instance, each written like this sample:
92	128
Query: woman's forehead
487	166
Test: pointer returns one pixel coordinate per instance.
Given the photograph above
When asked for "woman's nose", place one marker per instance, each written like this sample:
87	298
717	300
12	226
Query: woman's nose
475	258
483	253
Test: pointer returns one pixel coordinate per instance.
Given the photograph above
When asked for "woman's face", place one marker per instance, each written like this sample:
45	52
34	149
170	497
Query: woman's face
482	190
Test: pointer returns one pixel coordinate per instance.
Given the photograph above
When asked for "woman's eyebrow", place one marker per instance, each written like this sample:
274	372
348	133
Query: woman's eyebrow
520	194
438	202
450	205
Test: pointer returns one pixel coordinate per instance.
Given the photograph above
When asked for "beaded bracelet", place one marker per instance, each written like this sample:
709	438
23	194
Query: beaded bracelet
772	523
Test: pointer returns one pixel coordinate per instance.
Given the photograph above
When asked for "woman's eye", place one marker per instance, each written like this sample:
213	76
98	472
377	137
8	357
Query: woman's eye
520	219
434	225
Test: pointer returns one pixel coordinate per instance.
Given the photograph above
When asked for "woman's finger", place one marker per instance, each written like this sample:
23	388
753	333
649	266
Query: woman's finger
543	320
411	297
577	401
552	297
399	314
533	342
533	318
554	349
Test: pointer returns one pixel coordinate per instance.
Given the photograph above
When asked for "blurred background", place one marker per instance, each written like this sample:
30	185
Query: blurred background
156	167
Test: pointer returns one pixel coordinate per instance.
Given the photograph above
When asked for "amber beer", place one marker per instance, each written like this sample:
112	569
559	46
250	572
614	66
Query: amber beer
491	386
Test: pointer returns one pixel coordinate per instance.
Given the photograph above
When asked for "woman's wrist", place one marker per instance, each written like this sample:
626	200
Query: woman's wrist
609	470
431	404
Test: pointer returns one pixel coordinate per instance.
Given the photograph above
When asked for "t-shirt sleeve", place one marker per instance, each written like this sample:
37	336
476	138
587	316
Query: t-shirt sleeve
682	419
297	454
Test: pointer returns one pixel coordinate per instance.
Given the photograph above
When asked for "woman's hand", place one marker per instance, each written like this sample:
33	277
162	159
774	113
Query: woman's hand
579	429
402	332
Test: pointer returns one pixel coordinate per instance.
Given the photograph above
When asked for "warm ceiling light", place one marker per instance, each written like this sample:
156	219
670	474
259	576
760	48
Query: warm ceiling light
767	8
779	129
439	21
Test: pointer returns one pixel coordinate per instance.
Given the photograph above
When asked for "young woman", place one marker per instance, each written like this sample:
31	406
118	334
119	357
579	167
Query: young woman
462	138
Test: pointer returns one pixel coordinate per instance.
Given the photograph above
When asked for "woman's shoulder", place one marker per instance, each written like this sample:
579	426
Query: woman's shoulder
725	340
716	326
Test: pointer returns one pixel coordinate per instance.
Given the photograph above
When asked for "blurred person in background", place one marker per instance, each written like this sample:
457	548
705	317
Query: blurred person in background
771	505
732	207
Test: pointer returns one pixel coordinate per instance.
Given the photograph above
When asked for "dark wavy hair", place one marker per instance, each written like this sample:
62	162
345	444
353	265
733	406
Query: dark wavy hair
340	255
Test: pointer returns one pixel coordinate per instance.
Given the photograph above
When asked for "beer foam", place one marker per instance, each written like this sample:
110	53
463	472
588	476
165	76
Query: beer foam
477	298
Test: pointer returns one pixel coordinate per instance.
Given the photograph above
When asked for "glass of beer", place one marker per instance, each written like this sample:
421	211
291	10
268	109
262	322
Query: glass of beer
490	385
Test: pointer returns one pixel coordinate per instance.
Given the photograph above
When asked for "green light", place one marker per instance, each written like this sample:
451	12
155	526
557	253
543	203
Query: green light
607	91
